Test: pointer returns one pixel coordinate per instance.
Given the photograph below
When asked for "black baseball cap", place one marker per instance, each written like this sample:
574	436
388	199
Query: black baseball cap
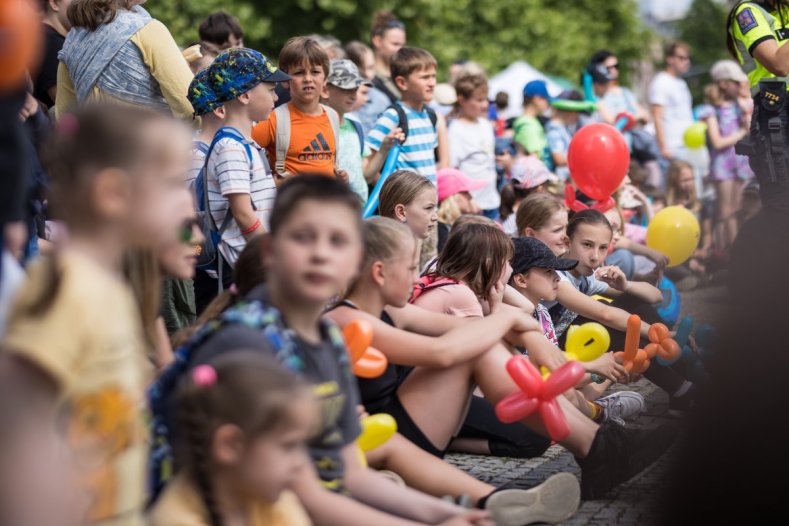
533	253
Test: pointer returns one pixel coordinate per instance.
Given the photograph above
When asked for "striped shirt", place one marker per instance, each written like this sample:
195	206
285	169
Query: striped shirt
418	152
230	171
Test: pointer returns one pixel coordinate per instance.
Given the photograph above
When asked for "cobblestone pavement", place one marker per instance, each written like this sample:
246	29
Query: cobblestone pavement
634	502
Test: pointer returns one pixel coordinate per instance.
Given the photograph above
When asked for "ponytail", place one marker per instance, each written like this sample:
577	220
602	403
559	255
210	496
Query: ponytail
91	14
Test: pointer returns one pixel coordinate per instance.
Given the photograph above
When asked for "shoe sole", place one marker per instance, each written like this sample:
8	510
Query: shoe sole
555	500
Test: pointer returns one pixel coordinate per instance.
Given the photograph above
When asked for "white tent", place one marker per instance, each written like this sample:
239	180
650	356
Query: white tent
512	80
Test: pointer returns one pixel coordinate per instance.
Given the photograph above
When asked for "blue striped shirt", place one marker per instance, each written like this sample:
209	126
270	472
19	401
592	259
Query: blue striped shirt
418	152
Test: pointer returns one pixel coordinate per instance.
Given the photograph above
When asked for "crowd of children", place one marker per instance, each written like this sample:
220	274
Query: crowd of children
175	356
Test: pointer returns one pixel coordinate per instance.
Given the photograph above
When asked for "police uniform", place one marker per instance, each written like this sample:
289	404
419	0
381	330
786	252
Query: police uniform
768	144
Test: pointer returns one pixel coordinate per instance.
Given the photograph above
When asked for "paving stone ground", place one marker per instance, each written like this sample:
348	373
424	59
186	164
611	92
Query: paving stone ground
635	502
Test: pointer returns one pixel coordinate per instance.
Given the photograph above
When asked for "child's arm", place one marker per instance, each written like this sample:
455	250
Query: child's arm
327	508
516	299
582	304
618	284
719	142
467	340
443	142
660	259
373	489
244	214
372	164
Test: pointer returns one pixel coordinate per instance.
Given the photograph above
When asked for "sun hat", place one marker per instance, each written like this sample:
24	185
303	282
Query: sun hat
452	181
238	70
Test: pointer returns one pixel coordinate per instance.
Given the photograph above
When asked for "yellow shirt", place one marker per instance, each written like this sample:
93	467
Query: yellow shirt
165	61
181	505
751	26
89	341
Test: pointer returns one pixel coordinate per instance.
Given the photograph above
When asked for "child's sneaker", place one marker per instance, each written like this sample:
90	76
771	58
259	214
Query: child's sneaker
621	406
678	406
618	454
553	501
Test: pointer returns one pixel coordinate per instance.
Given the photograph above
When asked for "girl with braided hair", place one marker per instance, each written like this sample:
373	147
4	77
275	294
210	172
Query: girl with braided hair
242	424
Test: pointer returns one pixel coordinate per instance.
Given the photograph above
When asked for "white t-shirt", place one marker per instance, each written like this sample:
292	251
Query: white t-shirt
673	94
230	172
472	151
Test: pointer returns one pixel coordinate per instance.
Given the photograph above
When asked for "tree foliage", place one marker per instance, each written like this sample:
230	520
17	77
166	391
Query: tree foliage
555	36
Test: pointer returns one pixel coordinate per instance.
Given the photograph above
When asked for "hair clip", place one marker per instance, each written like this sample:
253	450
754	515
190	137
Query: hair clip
68	124
204	376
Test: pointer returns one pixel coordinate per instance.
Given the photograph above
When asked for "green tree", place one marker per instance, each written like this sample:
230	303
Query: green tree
555	36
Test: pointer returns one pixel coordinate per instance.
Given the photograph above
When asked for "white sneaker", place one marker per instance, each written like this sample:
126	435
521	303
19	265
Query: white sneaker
554	501
622	405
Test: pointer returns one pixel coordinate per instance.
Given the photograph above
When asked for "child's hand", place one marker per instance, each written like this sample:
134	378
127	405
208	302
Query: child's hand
394	135
554	360
607	366
471	518
660	259
613	277
342	175
496	296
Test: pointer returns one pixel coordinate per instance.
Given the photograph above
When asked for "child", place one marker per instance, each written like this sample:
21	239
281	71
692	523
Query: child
376	102
343	85
534	274
454	200
302	135
243	423
411	198
471	141
222	30
624	251
726	125
476	262
74	348
544	217
559	132
528	175
529	132
414	72
314	251
239	186
211	113
590	235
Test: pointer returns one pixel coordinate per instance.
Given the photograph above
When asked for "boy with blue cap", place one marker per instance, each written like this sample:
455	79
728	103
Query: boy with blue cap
238	180
529	132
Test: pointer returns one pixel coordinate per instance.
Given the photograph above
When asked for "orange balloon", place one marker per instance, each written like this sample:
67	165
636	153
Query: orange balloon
358	336
371	364
20	41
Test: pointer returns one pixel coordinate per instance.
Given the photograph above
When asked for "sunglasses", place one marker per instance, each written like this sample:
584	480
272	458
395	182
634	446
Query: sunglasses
682	57
613	66
186	230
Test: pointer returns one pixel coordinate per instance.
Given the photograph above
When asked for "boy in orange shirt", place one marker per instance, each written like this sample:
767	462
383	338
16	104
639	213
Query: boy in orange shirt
302	135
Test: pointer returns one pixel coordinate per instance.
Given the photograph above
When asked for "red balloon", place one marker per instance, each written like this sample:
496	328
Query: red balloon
515	406
553	418
598	159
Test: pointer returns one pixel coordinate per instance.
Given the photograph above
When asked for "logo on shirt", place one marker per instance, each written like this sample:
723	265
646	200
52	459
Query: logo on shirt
746	20
318	150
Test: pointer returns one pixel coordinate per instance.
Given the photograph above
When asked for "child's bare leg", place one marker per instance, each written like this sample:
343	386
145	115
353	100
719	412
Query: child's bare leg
425	472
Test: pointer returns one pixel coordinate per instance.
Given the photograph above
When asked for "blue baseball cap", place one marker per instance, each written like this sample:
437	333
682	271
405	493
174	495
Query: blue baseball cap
537	88
238	70
201	95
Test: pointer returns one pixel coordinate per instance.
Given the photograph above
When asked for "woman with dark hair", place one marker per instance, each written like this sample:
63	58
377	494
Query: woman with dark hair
116	52
387	37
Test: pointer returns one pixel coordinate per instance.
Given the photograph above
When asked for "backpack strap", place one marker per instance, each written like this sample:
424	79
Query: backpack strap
431	114
430	282
360	132
402	120
282	143
334	120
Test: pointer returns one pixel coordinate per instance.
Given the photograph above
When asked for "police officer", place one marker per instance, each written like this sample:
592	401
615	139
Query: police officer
757	32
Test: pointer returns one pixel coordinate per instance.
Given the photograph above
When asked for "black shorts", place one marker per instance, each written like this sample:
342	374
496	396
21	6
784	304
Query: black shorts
408	428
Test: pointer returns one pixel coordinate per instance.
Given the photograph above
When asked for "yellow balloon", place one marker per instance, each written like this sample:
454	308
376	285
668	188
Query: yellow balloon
675	232
586	342
695	135
376	430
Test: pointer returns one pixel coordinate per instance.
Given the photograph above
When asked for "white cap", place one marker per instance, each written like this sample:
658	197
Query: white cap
445	94
727	70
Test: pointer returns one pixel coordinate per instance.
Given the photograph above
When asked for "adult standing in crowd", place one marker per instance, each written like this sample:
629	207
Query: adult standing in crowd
671	103
115	51
387	37
56	26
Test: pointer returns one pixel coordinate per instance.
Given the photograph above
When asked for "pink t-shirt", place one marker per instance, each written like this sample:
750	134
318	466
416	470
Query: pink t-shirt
457	300
636	233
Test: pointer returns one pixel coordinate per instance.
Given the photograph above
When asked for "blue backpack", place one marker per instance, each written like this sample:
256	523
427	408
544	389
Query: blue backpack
209	254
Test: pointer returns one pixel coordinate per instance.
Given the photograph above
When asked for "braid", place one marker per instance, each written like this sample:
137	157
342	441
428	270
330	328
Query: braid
198	439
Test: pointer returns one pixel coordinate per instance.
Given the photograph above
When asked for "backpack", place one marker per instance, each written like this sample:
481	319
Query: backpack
209	256
283	136
254	314
430	282
360	132
402	119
